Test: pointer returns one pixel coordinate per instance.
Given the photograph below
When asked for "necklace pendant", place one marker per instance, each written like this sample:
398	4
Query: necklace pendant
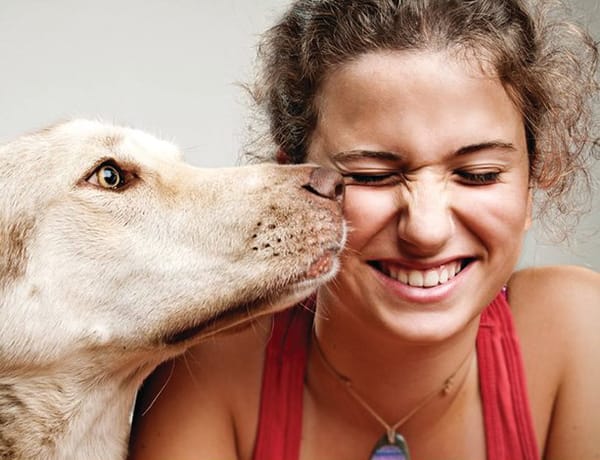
390	448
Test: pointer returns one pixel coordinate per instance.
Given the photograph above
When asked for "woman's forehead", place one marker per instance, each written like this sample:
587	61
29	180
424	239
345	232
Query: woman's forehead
418	106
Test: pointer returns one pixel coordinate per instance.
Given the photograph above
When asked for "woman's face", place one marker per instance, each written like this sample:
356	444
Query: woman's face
435	161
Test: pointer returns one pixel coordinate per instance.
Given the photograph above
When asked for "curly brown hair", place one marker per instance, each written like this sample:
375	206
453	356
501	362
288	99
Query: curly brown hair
547	64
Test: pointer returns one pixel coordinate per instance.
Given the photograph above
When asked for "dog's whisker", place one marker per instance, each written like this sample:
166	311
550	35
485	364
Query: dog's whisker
185	357
160	391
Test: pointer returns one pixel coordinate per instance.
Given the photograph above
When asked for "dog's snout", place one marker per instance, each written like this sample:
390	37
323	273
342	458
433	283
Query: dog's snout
326	183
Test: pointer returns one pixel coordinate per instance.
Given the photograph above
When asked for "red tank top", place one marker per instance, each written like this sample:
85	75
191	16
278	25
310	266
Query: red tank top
508	425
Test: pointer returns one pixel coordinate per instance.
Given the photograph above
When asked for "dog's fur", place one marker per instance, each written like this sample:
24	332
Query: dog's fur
100	285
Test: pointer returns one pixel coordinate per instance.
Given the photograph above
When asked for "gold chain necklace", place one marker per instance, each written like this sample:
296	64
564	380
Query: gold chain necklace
392	445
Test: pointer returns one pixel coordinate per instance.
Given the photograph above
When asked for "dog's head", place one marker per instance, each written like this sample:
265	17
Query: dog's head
108	239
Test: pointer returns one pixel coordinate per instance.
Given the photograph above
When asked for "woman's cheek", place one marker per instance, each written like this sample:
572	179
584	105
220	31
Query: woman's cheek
498	212
367	211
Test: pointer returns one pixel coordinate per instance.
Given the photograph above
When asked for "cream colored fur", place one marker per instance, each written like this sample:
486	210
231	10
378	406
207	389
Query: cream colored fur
98	286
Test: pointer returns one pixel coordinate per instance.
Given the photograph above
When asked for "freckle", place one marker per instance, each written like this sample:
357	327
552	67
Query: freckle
275	254
266	246
279	240
254	236
255	248
272	226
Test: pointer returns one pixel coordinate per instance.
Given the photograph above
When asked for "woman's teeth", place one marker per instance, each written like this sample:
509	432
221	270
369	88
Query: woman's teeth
424	278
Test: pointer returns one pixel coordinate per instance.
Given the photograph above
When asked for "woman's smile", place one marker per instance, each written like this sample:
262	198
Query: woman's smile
431	286
423	278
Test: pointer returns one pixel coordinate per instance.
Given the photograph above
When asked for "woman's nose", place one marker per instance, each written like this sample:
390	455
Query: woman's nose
425	221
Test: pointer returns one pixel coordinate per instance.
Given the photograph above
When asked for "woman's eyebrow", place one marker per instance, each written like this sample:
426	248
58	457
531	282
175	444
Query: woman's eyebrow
359	154
491	145
350	155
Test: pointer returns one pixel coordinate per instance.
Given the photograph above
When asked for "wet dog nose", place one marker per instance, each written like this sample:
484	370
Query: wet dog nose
326	183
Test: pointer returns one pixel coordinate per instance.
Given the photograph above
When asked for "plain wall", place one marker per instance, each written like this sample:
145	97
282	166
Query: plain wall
171	67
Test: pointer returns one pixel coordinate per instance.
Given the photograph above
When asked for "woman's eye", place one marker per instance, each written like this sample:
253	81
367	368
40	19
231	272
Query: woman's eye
483	178
108	176
371	179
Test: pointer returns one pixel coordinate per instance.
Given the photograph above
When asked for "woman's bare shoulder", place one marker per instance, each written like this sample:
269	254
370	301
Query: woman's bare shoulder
557	282
570	293
557	307
204	404
557	317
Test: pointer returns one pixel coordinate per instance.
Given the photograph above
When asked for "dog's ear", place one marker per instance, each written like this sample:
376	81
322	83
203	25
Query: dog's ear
13	249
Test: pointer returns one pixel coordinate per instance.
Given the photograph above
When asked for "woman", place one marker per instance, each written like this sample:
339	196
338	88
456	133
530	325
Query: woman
447	119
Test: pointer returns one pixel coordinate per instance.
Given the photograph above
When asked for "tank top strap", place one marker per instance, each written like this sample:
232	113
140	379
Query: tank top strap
280	414
508	423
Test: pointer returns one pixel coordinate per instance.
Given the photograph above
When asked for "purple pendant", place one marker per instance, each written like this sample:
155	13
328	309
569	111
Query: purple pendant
390	449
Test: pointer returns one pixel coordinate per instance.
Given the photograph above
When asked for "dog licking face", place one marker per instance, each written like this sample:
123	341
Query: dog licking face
116	255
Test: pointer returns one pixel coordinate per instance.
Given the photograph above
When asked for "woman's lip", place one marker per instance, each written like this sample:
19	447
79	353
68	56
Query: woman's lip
423	295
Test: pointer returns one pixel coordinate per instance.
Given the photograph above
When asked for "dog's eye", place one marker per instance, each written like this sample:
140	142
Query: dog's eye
107	175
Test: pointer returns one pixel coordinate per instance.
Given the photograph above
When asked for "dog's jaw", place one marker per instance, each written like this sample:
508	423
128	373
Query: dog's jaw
322	270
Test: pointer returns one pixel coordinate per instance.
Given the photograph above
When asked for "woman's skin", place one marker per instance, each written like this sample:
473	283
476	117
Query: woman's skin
434	155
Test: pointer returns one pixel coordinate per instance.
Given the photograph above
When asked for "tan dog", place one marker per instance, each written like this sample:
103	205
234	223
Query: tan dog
115	255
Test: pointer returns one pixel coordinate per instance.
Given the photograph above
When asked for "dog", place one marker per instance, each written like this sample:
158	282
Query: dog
115	255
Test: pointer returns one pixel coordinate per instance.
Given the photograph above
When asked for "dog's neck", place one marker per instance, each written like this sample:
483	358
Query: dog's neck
63	415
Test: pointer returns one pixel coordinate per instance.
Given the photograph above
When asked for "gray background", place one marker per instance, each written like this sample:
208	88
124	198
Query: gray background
171	67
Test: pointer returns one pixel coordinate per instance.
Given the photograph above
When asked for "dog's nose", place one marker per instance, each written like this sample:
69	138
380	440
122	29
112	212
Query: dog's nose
326	183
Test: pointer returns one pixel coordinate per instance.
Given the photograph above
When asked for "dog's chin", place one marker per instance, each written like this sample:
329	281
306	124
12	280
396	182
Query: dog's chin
323	269
241	315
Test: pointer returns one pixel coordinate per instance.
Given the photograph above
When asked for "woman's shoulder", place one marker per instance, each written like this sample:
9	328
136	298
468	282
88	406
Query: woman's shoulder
557	307
557	317
563	290
205	402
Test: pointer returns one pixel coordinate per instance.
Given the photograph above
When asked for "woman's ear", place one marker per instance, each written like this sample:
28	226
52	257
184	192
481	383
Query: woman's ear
282	157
